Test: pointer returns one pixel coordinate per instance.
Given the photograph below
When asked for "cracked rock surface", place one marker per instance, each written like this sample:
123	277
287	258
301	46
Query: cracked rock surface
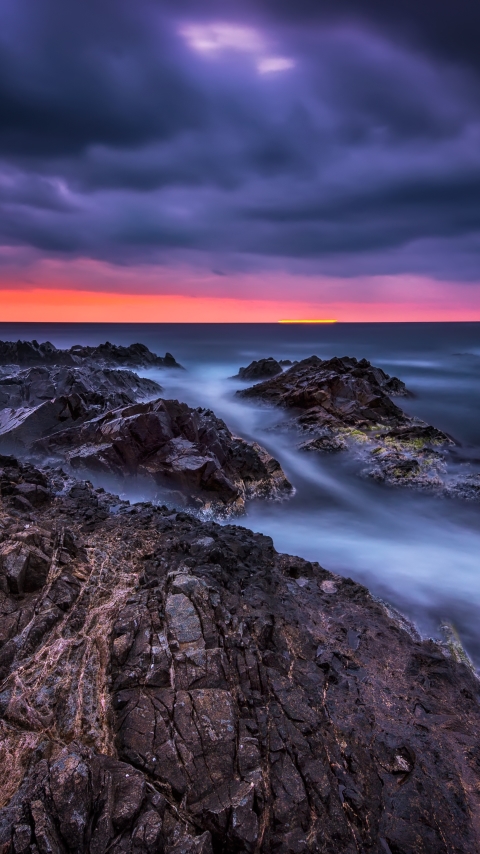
343	404
170	685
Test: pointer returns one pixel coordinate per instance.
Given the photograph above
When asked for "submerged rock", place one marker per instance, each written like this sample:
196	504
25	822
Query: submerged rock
176	686
103	355
346	405
174	446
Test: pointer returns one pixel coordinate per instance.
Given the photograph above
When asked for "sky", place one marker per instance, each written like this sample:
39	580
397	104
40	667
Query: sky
239	161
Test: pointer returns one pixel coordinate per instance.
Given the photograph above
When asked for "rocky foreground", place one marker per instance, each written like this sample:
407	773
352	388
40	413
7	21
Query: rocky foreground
176	686
343	404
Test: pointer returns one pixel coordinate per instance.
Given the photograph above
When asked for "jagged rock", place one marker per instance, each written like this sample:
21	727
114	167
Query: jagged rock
260	370
345	405
104	355
178	686
25	486
42	400
100	387
336	391
174	446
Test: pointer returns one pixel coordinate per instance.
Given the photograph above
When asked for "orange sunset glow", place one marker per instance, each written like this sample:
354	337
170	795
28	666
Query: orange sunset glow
87	290
82	306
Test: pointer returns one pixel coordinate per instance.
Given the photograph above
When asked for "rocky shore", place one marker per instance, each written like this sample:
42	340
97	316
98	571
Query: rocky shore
171	444
172	685
343	404
111	421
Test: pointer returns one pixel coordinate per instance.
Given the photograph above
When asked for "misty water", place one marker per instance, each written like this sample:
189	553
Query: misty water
419	552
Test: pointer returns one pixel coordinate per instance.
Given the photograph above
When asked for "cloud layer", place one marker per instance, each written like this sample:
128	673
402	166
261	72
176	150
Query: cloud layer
342	143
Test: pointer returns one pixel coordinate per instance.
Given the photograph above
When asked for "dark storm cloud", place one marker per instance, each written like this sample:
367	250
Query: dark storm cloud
73	74
445	29
119	140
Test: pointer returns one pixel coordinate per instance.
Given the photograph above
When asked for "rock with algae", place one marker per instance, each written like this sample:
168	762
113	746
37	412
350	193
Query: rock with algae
343	404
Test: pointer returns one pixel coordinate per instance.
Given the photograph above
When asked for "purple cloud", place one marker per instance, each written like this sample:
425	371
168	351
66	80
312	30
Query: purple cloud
278	137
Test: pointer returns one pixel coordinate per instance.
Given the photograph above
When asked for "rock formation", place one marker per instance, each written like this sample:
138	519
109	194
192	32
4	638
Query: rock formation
38	401
29	353
176	686
261	370
100	387
175	446
340	392
91	418
342	404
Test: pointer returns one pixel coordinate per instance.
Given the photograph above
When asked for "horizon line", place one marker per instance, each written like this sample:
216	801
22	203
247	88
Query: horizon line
308	321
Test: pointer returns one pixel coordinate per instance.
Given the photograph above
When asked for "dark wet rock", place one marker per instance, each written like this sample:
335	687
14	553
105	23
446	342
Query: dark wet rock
29	353
420	434
42	400
179	686
328	441
346	405
336	391
24	487
465	487
34	493
174	446
101	387
260	370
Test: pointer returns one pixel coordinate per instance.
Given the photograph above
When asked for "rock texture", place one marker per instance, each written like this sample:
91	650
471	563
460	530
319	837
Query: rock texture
28	353
342	404
173	445
176	686
38	401
100	387
261	370
340	392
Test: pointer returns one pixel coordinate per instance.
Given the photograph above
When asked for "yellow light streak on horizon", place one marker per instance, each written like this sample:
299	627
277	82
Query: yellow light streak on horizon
308	321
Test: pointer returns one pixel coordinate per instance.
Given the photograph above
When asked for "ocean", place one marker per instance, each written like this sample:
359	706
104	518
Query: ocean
419	552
